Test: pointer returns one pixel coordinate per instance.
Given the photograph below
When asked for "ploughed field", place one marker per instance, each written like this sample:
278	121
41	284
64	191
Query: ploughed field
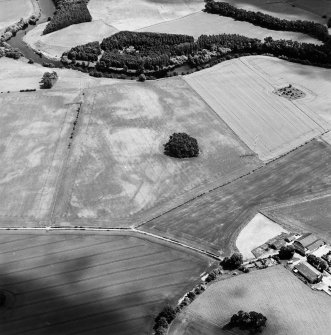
118	174
89	284
290	306
213	220
311	214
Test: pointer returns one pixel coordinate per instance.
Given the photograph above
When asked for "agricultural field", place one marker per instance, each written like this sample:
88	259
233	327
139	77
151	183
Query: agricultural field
19	75
11	11
243	97
53	45
275	292
118	169
214	220
312	214
124	15
210	24
34	132
108	283
257	231
311	10
313	80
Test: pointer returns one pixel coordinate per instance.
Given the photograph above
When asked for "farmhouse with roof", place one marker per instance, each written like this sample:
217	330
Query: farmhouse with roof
307	243
308	272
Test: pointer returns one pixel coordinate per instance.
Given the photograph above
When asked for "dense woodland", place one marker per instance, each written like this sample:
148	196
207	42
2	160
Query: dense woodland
88	52
313	29
68	12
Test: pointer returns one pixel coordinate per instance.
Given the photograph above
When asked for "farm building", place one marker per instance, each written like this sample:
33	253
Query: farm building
307	243
280	240
309	272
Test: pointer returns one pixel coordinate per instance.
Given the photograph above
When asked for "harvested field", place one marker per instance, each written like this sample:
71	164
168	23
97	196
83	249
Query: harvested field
123	15
214	220
243	97
87	284
53	45
34	132
275	292
258	231
16	75
314	81
309	215
118	168
11	11
210	24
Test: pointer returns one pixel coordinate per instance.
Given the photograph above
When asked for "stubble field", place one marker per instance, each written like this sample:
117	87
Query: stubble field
214	220
34	131
118	168
270	125
290	306
90	284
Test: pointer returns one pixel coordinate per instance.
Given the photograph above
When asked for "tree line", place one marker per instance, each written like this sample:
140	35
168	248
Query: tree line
311	28
68	12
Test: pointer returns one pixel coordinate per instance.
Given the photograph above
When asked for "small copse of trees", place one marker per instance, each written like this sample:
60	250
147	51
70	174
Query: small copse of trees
48	80
286	252
317	262
164	318
233	262
181	145
252	321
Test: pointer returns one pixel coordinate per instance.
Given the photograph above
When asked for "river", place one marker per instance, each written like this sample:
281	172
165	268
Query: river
47	10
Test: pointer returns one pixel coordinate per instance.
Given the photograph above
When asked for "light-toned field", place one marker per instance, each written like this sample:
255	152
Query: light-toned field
34	135
19	75
124	15
303	9
258	231
214	220
314	80
90	284
311	214
53	45
11	11
209	24
243	97
118	168
290	306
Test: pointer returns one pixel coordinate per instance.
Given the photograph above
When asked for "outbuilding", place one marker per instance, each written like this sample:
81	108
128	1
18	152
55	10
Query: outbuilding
308	272
307	243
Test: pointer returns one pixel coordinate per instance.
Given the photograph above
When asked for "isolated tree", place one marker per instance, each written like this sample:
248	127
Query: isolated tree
181	145
233	262
286	252
142	77
48	79
252	321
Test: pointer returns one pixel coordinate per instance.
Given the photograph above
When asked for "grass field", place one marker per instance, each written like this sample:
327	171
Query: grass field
258	231
33	144
19	75
53	45
124	15
309	215
242	96
90	284
118	168
213	220
11	11
209	24
311	10
290	306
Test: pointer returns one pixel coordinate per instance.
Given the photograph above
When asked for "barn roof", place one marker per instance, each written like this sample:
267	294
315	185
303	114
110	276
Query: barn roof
308	271
307	239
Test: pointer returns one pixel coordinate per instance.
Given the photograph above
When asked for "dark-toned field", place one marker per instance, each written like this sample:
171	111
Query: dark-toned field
213	220
312	215
90	284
